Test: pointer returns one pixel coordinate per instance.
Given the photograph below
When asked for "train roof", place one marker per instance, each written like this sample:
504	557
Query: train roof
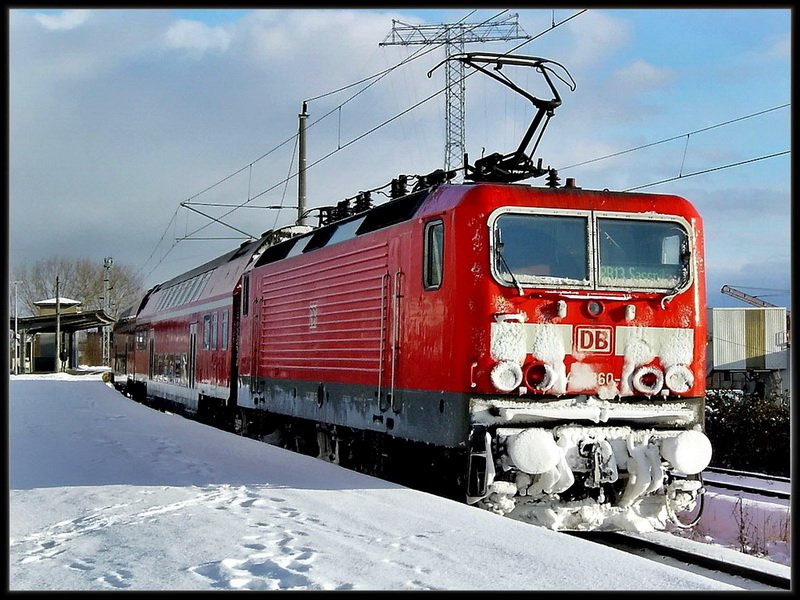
248	247
213	279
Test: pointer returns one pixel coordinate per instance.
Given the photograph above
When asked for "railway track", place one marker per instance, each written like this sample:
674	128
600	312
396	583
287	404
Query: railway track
747	482
722	564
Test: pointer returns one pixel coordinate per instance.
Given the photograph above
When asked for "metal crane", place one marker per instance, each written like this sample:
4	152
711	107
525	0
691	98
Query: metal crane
732	291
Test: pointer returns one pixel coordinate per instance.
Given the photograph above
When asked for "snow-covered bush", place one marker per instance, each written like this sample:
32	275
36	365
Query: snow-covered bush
747	433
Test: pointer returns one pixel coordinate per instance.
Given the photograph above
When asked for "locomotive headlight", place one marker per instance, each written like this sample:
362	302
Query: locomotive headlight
689	452
648	380
679	378
506	376
594	308
539	377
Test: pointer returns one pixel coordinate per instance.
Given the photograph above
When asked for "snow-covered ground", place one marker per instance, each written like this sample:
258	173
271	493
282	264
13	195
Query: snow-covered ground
108	494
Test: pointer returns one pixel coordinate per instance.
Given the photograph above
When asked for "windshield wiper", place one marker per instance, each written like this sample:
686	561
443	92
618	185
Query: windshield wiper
514	279
684	277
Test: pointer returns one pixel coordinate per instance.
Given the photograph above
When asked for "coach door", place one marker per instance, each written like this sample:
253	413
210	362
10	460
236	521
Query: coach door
234	348
151	358
192	352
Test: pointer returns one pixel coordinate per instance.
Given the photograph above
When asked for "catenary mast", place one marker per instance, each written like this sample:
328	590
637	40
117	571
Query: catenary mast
454	36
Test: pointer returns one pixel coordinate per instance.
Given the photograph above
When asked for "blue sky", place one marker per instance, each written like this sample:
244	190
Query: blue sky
116	116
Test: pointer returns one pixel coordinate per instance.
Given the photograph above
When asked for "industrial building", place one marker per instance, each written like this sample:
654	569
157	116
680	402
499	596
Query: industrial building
748	350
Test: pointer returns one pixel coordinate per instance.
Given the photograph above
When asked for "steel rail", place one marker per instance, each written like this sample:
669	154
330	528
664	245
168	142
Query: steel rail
709	481
722	471
630	543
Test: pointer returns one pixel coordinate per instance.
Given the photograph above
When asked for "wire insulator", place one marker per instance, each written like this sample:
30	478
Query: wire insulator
552	178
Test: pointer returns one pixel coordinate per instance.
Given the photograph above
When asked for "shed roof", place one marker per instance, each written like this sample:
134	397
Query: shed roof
62	301
69	322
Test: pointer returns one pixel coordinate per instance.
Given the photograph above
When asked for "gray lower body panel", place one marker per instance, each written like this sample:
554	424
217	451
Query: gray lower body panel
440	418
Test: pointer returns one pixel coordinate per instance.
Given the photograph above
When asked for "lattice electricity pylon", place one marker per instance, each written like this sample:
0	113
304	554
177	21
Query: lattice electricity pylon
454	36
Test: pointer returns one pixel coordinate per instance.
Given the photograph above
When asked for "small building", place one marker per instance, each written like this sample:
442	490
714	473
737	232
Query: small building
37	334
748	349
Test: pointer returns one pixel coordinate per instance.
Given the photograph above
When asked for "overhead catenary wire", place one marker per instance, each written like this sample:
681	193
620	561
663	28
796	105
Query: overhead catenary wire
163	235
378	76
294	137
719	168
341	147
675	137
409	109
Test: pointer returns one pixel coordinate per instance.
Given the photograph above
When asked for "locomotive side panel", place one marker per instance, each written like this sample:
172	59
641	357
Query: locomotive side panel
325	318
339	336
428	404
317	331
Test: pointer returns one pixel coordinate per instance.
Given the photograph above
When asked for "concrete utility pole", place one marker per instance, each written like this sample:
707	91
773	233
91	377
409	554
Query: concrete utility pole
107	262
16	332
58	328
454	36
301	170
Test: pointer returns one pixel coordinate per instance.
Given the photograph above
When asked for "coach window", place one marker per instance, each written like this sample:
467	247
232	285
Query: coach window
206	332
433	255
186	288
141	340
224	344
213	331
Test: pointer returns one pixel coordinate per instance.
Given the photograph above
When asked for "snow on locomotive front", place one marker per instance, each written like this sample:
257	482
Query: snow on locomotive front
584	356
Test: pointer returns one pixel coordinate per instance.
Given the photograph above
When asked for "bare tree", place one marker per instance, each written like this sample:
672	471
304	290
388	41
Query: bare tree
79	279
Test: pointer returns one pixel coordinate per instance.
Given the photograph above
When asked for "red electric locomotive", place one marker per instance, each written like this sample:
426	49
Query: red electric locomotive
543	348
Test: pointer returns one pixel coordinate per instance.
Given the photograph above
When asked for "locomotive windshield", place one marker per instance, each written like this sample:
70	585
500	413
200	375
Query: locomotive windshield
642	254
533	246
555	249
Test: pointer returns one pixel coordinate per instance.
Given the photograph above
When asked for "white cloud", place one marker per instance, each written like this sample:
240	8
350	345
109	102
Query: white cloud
640	76
197	37
594	36
67	19
779	48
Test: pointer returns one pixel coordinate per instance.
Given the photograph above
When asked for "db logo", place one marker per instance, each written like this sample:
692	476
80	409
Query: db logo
593	339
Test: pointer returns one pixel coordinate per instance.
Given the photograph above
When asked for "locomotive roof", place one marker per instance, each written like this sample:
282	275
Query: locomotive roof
384	215
429	200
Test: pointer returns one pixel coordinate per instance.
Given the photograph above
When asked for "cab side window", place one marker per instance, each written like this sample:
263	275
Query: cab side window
433	255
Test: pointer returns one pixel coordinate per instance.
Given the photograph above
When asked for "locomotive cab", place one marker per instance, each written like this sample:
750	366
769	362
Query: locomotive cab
587	379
